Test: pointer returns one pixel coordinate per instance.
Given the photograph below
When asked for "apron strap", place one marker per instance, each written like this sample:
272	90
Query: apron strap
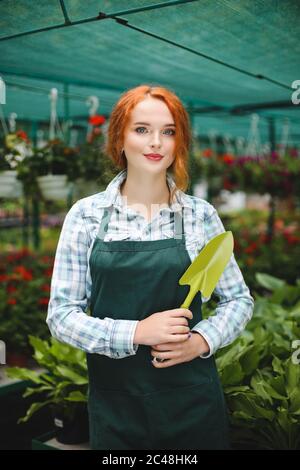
178	223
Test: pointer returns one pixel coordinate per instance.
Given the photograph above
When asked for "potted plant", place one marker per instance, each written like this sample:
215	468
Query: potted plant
208	166
57	169
63	387
14	149
96	170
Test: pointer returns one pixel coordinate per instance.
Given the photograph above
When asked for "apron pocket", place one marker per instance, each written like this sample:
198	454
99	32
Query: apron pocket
118	420
188	418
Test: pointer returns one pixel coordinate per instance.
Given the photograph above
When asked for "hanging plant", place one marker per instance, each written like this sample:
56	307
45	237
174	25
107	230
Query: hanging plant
15	148
273	174
95	168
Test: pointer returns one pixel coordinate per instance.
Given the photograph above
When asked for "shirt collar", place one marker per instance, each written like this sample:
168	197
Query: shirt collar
112	194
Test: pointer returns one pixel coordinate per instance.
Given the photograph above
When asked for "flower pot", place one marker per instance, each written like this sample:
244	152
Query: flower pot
71	424
10	187
55	187
84	188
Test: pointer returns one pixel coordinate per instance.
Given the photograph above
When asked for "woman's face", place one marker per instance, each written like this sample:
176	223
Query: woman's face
151	129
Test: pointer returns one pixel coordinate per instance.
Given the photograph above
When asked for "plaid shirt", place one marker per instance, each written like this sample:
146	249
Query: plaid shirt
71	282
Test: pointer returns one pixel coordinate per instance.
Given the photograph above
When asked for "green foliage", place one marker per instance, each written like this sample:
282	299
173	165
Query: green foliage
93	163
64	383
260	371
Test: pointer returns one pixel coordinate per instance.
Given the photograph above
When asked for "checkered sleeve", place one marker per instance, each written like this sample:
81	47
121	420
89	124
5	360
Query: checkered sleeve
69	295
235	306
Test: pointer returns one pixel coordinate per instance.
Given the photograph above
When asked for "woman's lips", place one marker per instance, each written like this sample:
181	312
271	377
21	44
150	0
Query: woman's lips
154	157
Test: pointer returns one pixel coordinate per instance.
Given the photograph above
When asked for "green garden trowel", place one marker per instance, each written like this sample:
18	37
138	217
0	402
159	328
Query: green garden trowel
206	269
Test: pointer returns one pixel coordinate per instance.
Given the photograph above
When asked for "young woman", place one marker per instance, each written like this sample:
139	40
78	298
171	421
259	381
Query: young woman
153	382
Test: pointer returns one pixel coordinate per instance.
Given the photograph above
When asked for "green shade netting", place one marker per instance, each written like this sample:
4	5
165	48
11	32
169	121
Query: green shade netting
104	58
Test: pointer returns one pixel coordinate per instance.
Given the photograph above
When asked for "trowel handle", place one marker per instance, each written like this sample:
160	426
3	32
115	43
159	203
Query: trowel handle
189	298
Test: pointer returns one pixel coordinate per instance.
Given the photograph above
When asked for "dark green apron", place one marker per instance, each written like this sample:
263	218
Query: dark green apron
132	404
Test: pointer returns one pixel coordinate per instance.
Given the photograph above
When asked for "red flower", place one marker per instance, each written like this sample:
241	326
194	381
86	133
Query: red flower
11	289
96	120
228	158
46	288
207	153
4	278
44	301
251	248
23	253
11	258
97	131
12	301
279	224
22	135
26	275
227	184
291	239
48	272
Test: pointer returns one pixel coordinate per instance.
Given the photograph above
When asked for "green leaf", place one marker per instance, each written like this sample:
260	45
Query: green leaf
269	282
24	374
250	360
235	390
277	365
77	396
73	376
262	386
292	377
248	403
295	402
31	391
232	374
33	409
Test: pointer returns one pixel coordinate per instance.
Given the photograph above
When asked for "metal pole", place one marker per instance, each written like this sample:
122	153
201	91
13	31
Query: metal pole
272	203
67	135
192	163
35	204
36	222
25	224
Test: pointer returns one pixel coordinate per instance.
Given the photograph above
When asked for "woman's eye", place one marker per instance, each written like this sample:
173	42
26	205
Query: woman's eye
173	132
167	130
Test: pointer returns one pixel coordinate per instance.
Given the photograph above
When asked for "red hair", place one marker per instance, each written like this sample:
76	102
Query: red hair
119	119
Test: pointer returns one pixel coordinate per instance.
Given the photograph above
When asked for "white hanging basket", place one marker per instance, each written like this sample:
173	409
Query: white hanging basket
55	187
10	186
84	188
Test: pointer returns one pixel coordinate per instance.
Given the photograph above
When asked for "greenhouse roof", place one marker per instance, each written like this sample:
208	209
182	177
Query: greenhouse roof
224	58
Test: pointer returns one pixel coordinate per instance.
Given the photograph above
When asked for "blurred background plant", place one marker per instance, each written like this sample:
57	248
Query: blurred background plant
25	285
260	371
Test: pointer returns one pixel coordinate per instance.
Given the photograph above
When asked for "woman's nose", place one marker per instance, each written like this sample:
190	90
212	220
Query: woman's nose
155	139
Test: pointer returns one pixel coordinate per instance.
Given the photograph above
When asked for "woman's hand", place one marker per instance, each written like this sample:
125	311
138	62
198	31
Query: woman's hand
176	353
169	326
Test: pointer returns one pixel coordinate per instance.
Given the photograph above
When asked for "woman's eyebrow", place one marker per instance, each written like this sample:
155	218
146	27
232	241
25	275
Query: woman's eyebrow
147	124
